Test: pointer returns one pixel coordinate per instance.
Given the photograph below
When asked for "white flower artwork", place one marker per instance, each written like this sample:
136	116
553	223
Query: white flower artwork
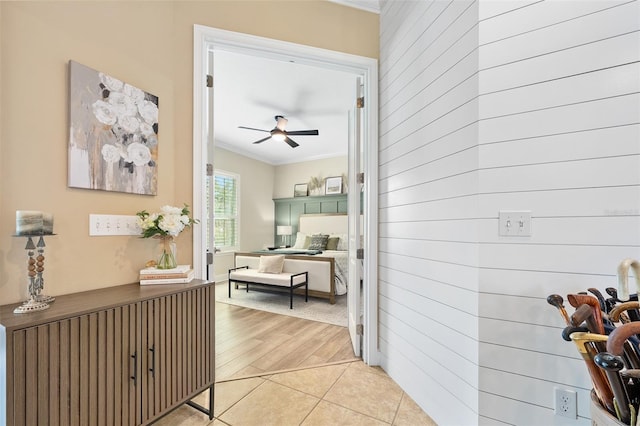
113	137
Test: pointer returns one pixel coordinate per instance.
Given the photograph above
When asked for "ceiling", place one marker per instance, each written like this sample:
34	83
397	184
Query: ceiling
250	91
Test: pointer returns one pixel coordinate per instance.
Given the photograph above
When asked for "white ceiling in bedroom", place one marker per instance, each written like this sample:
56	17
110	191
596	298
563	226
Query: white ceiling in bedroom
250	91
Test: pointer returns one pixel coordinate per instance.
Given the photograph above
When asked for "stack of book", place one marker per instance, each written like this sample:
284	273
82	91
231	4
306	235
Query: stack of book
180	274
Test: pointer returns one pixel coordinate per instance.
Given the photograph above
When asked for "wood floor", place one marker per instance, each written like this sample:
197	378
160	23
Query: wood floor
250	342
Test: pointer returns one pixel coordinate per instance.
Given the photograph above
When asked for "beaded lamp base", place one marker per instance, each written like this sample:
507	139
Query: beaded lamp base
35	269
44	298
31	306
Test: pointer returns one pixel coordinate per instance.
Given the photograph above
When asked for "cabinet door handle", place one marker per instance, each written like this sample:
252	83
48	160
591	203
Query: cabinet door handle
135	368
152	349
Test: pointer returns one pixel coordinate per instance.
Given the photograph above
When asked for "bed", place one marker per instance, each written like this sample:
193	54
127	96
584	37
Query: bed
336	226
328	269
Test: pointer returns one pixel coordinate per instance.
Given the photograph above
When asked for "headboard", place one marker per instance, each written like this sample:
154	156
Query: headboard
324	223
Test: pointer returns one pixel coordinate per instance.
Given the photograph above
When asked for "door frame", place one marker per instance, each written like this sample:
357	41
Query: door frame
207	39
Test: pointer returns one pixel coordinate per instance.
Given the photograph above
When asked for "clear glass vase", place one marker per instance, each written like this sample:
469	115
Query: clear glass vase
167	257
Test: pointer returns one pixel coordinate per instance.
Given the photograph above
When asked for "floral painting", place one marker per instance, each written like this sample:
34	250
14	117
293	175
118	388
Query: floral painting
113	137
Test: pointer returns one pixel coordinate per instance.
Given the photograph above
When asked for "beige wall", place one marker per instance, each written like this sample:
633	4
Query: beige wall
256	204
1	127
256	200
147	44
288	175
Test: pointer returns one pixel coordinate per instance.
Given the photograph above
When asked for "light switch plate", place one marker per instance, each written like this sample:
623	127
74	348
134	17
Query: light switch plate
514	223
110	224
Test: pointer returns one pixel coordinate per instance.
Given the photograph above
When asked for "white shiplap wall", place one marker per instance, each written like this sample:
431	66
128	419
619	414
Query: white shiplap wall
428	204
502	105
558	135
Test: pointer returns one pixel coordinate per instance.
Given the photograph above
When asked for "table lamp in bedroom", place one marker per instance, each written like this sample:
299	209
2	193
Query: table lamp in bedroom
284	231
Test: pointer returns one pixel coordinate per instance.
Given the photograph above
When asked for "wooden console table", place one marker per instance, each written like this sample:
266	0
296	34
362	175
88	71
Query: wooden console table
124	355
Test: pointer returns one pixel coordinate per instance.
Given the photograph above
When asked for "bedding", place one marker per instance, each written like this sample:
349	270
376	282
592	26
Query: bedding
341	259
324	235
332	243
319	242
302	241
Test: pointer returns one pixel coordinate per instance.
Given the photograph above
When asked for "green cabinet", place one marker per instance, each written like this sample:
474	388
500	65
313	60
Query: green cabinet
288	210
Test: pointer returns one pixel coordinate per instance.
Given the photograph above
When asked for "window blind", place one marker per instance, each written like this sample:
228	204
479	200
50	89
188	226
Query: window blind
225	210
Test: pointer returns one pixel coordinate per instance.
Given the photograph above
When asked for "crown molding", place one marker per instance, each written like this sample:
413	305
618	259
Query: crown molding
372	6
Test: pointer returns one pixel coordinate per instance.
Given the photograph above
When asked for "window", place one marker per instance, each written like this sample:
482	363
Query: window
225	210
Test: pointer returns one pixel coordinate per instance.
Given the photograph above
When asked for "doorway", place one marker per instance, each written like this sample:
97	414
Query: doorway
209	39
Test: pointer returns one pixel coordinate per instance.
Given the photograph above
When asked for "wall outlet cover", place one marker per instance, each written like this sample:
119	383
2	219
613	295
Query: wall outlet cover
566	403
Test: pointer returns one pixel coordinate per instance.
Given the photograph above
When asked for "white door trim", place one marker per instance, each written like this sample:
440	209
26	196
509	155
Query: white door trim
207	39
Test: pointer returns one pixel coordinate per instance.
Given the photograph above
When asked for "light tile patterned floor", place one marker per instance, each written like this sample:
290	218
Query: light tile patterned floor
350	393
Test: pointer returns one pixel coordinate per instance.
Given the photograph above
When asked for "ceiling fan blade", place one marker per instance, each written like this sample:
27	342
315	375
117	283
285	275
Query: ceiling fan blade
262	140
304	132
253	128
291	142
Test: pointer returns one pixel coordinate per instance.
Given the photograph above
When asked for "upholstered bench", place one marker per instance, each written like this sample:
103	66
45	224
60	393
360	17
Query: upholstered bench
270	274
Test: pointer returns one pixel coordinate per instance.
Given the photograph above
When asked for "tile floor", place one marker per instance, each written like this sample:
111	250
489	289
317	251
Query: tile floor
349	393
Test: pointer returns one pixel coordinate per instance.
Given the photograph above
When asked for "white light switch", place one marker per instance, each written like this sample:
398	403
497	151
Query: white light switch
514	223
110	224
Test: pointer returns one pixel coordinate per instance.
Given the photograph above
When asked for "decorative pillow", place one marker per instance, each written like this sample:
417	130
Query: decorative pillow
343	241
300	240
319	242
307	242
332	243
271	264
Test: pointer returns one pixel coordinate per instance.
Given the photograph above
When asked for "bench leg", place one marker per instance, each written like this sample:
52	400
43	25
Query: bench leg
229	288
291	297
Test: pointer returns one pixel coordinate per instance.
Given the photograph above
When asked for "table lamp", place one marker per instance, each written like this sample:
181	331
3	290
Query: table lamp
284	231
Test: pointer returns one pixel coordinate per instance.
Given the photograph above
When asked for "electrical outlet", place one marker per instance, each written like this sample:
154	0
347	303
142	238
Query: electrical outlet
566	403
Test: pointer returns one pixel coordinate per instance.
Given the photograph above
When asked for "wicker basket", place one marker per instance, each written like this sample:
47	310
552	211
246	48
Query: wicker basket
600	416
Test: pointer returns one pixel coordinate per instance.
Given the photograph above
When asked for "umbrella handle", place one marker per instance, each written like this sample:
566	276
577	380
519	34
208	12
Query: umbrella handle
612	365
584	299
623	277
614	314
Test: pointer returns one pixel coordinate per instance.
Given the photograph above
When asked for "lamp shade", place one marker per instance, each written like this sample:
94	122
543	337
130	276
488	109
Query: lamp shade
284	230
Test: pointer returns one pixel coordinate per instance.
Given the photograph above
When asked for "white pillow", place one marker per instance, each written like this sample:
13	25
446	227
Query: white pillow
300	240
343	242
271	264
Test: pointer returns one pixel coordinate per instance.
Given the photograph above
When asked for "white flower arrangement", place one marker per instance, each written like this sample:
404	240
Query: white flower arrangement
169	222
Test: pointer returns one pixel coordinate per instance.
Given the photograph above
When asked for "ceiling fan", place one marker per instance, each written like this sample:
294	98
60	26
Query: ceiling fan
279	132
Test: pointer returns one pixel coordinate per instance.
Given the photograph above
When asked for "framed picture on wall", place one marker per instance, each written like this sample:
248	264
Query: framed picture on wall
333	185
113	143
300	190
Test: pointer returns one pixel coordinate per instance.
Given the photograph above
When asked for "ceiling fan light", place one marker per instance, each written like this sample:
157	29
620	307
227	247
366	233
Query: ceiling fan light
278	135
